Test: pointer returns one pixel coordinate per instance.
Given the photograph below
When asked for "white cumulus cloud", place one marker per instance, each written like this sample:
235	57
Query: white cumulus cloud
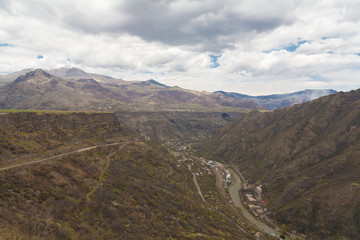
264	46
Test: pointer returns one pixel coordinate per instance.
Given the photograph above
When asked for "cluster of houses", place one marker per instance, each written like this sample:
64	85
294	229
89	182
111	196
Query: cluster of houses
225	173
250	199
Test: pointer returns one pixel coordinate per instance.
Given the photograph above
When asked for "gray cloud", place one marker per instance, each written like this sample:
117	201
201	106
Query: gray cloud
5	5
205	24
172	41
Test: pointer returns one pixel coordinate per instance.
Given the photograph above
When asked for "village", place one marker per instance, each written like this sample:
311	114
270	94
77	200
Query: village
251	198
233	186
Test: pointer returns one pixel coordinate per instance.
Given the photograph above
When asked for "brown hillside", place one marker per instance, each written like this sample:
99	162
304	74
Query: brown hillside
308	159
134	190
77	90
176	127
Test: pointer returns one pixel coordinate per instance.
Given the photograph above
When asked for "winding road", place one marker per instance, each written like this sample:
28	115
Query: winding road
196	184
234	189
59	156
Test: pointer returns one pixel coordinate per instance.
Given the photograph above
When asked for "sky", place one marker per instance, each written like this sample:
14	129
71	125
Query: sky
252	47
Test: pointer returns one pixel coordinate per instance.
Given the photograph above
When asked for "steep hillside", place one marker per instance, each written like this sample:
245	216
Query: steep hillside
131	190
175	127
26	135
306	157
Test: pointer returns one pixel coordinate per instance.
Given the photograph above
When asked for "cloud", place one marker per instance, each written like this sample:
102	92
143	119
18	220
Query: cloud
253	47
202	24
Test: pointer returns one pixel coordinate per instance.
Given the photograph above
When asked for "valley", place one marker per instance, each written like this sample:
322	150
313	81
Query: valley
102	190
85	156
179	120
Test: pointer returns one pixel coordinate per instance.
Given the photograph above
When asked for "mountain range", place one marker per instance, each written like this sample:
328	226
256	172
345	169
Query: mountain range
74	89
276	101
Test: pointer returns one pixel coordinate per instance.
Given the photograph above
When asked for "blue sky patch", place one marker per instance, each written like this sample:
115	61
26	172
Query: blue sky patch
357	54
40	56
4	45
293	47
316	78
213	59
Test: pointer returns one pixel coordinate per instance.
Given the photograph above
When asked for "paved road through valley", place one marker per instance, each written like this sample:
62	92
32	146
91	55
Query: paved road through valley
234	189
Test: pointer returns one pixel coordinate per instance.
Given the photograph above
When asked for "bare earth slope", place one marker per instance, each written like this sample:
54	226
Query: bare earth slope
306	157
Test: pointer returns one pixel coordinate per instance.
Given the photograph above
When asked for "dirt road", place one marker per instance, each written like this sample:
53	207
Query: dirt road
59	156
196	184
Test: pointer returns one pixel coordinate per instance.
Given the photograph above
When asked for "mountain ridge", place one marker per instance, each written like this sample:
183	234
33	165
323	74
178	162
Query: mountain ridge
151	94
39	89
276	101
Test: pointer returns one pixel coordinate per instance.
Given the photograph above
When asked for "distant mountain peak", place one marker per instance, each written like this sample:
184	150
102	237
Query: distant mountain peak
38	73
152	81
74	72
68	72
